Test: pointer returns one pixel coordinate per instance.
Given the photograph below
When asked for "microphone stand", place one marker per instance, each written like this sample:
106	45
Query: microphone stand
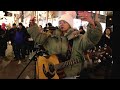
32	59
39	52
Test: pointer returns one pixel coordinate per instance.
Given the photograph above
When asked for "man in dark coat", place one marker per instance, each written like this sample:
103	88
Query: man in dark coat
3	40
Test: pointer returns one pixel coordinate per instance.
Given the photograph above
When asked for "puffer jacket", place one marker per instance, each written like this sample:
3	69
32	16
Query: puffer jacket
56	44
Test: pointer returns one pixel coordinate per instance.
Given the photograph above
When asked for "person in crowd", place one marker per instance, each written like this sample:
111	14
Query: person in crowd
106	38
82	31
12	34
106	41
18	40
68	42
49	27
40	28
3	40
30	41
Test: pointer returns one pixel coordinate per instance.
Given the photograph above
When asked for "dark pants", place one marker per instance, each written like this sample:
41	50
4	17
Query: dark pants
19	51
116	69
3	47
30	46
2	52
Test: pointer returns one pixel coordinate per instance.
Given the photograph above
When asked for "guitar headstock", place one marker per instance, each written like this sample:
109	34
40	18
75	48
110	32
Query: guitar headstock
99	54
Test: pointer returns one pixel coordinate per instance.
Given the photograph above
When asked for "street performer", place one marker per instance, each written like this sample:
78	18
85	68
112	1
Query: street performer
68	42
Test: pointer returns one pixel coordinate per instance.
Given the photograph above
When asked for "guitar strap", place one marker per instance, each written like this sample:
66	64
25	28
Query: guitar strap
68	54
61	72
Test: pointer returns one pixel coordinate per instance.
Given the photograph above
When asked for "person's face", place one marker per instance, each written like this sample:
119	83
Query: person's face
81	29
14	26
31	23
64	26
107	31
20	26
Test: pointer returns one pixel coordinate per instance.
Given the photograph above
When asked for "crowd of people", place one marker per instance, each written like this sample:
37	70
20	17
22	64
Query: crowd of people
63	40
21	41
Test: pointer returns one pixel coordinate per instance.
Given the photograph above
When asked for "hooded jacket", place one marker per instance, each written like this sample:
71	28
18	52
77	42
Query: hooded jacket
57	44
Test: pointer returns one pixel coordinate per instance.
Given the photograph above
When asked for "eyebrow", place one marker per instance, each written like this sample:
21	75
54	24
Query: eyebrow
63	21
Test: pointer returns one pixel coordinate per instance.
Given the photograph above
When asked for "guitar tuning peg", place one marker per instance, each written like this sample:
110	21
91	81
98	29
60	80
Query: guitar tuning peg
112	62
99	49
101	55
106	53
104	58
99	46
105	45
105	48
96	57
99	60
110	56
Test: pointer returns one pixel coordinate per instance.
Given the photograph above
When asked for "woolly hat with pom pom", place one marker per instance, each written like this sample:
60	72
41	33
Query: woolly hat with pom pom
68	17
3	26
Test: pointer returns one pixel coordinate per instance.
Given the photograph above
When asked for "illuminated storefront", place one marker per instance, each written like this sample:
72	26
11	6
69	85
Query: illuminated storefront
8	20
43	17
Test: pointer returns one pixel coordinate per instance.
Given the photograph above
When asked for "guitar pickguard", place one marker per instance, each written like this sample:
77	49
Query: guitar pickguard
45	67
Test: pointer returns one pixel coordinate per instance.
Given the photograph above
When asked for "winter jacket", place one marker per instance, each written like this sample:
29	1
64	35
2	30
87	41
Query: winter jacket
3	39
57	44
18	36
104	40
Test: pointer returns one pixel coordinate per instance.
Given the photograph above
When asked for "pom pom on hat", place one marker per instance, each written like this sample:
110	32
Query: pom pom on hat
72	13
68	17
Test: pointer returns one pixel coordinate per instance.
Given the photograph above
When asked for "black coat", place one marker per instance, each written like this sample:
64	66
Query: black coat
105	40
3	39
12	33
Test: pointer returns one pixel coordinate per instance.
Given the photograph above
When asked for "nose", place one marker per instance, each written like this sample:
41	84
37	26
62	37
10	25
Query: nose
60	25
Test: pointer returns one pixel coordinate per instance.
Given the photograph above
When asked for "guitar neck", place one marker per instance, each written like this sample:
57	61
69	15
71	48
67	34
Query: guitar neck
66	64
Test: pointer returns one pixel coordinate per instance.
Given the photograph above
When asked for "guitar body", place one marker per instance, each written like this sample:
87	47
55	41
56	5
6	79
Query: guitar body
44	67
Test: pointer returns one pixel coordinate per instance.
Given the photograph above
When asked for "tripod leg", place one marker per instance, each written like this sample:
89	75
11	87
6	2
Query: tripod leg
35	70
24	69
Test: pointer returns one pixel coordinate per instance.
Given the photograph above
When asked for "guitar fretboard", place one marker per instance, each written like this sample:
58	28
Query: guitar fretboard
66	64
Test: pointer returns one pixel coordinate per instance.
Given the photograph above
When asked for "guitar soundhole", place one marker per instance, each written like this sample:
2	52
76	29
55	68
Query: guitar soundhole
51	68
50	74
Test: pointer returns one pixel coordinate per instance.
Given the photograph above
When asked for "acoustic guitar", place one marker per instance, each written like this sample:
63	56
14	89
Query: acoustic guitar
49	67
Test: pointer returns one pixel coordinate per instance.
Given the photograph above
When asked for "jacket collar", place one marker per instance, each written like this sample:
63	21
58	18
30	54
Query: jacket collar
69	34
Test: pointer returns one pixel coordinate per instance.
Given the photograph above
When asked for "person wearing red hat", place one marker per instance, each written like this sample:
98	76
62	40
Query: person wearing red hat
32	20
3	26
3	40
